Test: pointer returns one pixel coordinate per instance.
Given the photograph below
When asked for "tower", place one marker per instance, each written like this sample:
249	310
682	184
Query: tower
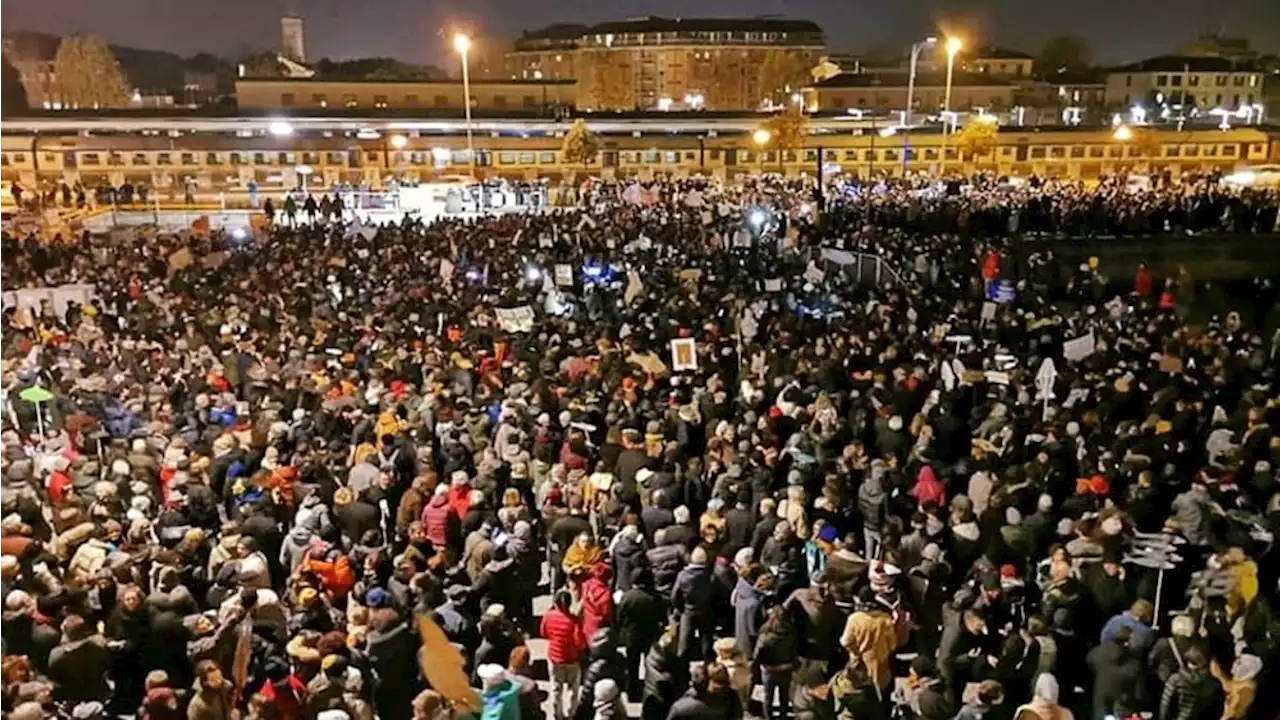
291	38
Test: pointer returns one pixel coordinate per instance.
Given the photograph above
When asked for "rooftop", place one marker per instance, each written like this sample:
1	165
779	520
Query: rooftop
992	52
893	80
399	81
1185	63
651	23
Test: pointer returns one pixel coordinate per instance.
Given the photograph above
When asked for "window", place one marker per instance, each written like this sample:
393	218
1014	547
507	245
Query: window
829	156
1097	151
236	159
371	157
1194	81
528	158
1238	80
260	159
164	159
411	100
650	156
334	158
1220	81
50	158
1077	151
285	158
890	155
930	153
115	158
1133	152
288	99
350	100
1162	80
4	159
1191	151
868	155
1037	153
1115	151
1256	149
212	159
320	99
547	158
1128	81
420	158
1171	151
1177	81
310	158
188	158
140	159
529	101
1210	150
1253	81
671	157
441	101
380	101
1057	153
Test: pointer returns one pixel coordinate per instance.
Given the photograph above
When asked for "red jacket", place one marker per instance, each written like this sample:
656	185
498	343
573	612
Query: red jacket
563	633
460	499
928	490
597	601
1142	282
437	516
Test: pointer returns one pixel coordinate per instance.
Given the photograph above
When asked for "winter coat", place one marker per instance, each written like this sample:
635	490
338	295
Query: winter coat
565	639
662	677
597	601
79	670
501	702
871	638
628	556
1191	695
640	616
443	526
392	653
603	660
872	497
667	561
1118	680
295	547
748	614
693	589
212	704
776	649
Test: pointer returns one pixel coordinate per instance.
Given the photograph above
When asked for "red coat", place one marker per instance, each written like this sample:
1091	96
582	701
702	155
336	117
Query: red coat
437	516
565	639
460	498
991	266
1142	281
928	490
597	601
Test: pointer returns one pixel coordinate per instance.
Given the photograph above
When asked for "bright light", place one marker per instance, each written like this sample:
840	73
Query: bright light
398	141
280	128
796	98
1123	133
664	104
1242	177
367	134
987	119
761	137
953	46
757	218
473	275
303	170
888	131
930	40
1138	114
461	43
239	234
593	271
805	208
440	154
532	273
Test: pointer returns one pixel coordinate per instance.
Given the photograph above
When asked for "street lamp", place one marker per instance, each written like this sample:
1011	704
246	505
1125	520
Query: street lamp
462	44
953	46
911	91
761	138
1123	134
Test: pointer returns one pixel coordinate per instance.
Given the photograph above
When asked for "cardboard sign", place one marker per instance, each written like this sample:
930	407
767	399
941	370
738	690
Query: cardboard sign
988	311
635	287
564	275
1079	348
516	319
773	285
684	354
814	275
446	269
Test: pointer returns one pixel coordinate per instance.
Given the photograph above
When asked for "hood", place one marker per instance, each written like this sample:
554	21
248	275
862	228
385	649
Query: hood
926	475
606	691
437	501
301	534
967	531
601	571
603	643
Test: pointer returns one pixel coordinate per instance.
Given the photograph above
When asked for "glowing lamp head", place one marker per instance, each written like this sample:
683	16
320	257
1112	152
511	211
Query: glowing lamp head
756	218
532	273
239	234
280	128
761	137
461	43
398	141
1123	133
954	45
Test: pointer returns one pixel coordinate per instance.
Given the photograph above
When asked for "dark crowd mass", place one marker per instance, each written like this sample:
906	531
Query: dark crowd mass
674	451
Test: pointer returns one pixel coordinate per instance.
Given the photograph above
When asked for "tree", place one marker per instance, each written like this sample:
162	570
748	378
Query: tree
781	73
262	65
88	74
1146	143
580	145
1064	53
976	139
788	130
13	95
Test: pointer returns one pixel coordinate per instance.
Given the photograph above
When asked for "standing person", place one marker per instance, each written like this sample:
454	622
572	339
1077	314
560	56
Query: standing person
565	645
501	696
1044	703
211	697
776	652
1118	677
1191	693
640	615
690	597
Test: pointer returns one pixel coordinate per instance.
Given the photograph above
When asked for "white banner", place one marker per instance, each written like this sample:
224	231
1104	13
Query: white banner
516	319
1079	348
564	275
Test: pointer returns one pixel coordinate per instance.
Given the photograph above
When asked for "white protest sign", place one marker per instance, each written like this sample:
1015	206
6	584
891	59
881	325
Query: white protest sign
773	285
706	217
814	274
446	268
1079	348
1045	378
684	354
635	287
367	232
988	311
564	275
516	319
997	378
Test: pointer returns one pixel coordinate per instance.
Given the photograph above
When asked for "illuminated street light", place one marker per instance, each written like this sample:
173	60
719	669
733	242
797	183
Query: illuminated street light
761	137
462	44
953	46
1123	134
398	142
280	128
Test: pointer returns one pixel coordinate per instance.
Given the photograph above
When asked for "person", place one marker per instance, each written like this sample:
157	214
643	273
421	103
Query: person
694	704
80	665
1191	693
566	644
640	622
776	654
690	597
664	677
1044	702
211	694
499	695
1118	682
986	704
1138	621
924	696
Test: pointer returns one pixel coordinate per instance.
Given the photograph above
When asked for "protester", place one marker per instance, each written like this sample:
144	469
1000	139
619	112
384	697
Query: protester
911	462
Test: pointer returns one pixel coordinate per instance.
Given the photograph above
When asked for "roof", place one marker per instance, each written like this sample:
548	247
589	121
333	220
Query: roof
394	81
650	23
992	52
893	80
1185	63
1074	77
556	31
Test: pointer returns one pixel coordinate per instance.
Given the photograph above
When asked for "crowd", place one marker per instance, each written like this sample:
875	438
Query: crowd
344	471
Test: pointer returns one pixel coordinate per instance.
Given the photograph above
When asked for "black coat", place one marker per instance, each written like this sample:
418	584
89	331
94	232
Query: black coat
79	670
1117	681
356	519
639	618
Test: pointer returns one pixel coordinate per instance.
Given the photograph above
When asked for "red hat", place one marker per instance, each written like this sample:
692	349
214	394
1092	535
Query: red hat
1008	571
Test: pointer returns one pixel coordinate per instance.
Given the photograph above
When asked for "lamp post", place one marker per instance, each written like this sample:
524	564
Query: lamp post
761	138
911	91
462	44
953	47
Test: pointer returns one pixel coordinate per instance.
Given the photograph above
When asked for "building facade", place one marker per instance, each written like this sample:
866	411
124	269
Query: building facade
659	63
1202	82
516	96
887	92
293	44
227	161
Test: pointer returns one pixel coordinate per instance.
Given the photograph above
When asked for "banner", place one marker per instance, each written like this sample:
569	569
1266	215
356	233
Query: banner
564	275
684	354
1079	348
516	319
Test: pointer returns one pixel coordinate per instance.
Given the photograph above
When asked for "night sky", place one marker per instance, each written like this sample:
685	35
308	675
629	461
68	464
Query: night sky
1118	30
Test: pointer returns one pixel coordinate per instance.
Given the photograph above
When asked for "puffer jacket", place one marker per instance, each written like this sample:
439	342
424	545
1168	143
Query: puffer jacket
597	601
603	660
441	522
667	561
628	556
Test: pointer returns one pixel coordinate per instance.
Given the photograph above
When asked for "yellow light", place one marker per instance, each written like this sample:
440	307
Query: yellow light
461	43
953	45
761	137
398	141
1123	133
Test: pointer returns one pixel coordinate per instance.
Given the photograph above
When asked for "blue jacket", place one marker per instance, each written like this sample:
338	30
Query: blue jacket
748	611
501	702
1141	634
693	589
